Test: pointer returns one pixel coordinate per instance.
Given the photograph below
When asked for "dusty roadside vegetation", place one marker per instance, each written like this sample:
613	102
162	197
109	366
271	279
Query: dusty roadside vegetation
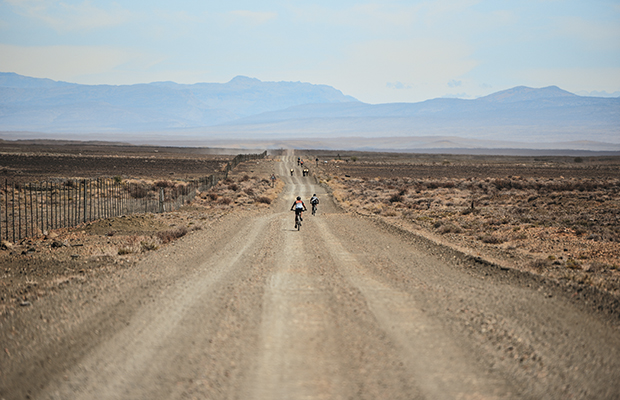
556	216
38	266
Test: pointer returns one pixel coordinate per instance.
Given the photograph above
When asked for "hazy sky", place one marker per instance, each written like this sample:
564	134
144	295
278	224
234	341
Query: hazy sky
387	51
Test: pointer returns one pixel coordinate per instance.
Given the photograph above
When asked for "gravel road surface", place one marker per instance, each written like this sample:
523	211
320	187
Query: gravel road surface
345	308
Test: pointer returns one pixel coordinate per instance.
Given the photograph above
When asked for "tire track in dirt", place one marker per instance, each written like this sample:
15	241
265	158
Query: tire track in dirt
297	358
296	348
135	362
314	344
439	366
514	339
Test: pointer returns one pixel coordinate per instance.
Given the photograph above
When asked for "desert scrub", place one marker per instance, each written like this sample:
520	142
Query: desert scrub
164	184
448	228
224	200
172	234
540	265
148	246
572	264
490	239
263	200
124	251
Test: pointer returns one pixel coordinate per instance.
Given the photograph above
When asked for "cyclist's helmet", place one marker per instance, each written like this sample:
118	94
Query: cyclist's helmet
298	198
314	194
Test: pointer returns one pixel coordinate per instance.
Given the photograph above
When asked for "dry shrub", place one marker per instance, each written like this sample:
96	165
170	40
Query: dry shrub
249	191
396	198
595	266
449	228
489	239
213	196
137	191
148	246
224	200
245	178
264	200
540	265
376	208
164	184
438	184
573	264
172	234
233	186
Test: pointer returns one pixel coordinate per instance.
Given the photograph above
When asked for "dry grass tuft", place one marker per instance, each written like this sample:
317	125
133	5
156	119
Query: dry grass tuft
170	235
263	200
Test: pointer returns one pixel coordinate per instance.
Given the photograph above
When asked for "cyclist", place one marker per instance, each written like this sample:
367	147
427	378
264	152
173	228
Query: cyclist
299	207
314	201
273	179
292	171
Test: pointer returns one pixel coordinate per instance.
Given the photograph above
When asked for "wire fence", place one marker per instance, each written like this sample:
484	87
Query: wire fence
30	209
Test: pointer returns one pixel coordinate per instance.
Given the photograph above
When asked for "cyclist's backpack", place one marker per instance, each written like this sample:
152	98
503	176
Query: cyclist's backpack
299	205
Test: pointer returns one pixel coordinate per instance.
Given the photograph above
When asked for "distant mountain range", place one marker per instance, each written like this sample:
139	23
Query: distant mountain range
248	109
42	104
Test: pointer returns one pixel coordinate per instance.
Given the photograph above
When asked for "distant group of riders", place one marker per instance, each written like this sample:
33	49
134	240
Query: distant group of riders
298	205
304	171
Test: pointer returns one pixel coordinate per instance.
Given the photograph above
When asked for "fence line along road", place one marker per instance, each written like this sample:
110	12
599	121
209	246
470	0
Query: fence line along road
29	209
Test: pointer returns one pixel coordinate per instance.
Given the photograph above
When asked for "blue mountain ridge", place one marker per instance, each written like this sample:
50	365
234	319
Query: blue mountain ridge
32	103
251	109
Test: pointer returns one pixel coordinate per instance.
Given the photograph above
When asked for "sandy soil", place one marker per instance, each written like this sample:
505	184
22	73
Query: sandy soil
551	216
28	161
349	307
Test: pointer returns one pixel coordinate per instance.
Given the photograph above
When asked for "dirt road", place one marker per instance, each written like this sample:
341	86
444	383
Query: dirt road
346	308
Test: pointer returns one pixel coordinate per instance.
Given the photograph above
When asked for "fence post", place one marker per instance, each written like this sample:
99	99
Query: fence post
77	202
106	208
36	208
90	198
1	217
54	203
41	205
162	207
6	208
48	207
85	202
98	198
63	199
58	210
13	209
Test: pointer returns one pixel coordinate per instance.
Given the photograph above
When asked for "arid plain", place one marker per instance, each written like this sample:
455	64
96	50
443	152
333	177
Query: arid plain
423	276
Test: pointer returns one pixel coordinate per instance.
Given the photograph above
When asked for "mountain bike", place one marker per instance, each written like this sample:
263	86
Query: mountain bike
297	220
313	209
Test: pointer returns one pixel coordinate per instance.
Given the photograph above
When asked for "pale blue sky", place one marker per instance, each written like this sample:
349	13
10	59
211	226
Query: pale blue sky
378	52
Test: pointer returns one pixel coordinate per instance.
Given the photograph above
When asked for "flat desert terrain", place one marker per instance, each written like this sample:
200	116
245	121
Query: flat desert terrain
420	277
